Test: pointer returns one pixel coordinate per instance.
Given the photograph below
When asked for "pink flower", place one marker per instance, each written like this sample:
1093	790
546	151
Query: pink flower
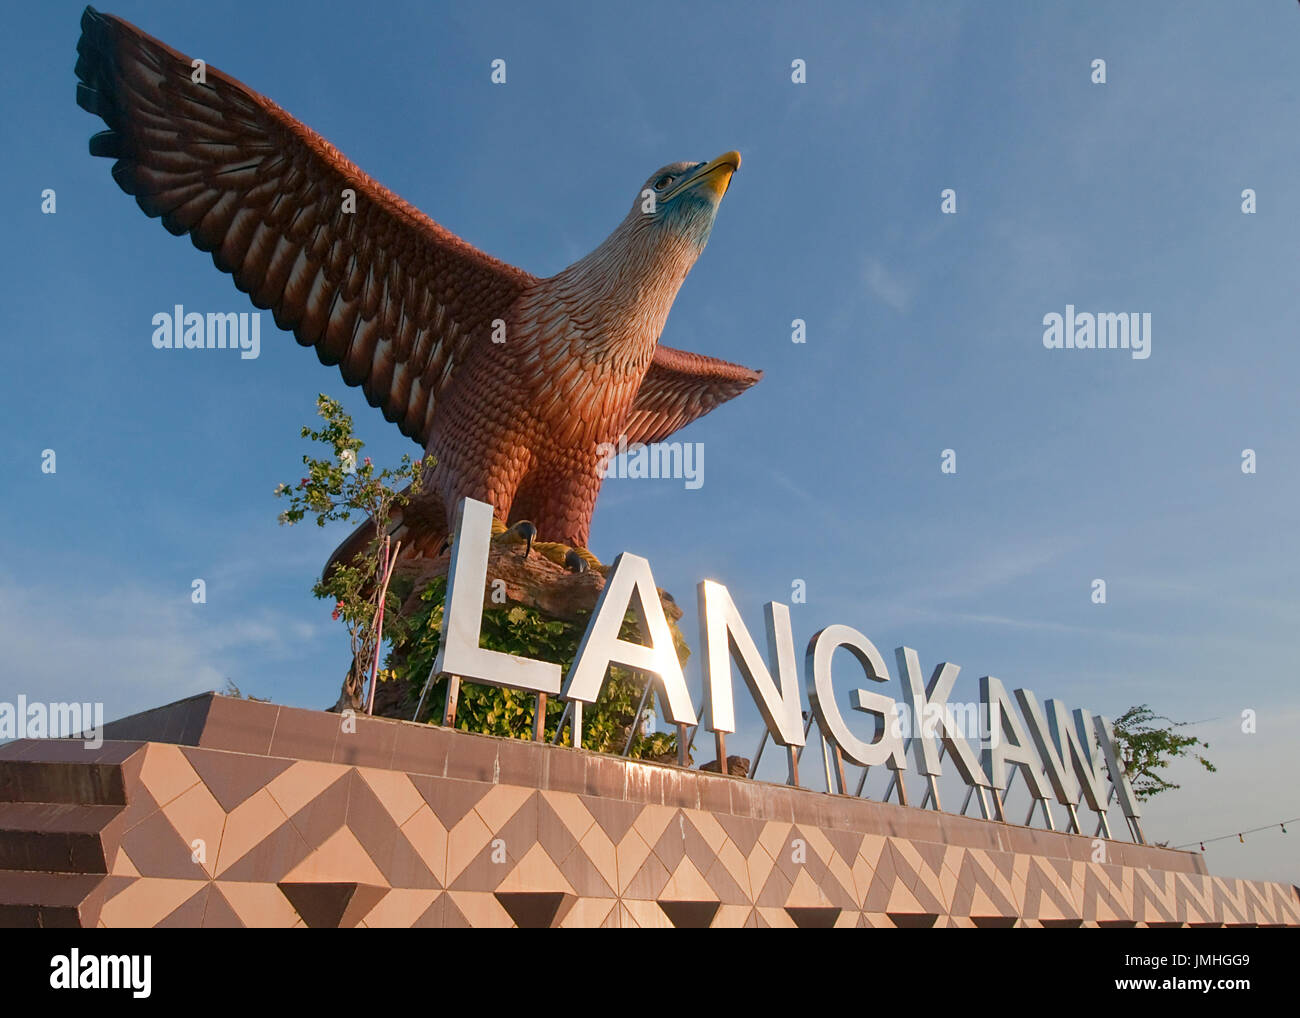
366	461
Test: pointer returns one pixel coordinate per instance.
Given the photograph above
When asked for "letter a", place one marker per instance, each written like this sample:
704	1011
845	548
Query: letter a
630	585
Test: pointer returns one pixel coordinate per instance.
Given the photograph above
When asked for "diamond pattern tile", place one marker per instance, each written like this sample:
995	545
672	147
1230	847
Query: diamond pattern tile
213	836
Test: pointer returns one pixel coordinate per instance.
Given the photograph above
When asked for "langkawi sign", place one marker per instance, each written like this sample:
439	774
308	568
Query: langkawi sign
1068	756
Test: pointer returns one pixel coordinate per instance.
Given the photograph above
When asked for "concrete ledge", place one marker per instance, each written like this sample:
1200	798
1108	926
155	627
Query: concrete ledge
265	729
246	813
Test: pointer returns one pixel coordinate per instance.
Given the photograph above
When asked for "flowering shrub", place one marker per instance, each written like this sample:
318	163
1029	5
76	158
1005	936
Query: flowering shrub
337	488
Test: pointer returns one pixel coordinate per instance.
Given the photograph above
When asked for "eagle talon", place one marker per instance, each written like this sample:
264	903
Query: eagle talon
522	532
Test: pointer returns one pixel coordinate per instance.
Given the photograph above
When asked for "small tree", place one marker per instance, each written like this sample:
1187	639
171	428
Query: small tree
341	488
1146	747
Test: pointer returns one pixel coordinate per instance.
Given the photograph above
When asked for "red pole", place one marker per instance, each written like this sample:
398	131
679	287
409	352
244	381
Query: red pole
389	563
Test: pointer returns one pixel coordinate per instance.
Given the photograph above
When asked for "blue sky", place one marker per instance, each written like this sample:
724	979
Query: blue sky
924	333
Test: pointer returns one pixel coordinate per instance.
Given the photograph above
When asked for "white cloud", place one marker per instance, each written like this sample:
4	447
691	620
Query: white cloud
127	647
887	286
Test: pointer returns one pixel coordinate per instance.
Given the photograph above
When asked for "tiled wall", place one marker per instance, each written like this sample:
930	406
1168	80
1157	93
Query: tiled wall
260	815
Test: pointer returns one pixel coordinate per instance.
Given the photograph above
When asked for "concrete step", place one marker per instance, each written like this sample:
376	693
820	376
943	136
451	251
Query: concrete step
61	781
49	900
54	837
64	770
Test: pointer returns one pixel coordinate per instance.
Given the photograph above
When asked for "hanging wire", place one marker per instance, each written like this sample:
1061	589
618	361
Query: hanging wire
1240	835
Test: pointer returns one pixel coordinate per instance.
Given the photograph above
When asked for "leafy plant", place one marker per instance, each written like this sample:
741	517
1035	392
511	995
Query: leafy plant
1146	748
341	488
232	690
528	632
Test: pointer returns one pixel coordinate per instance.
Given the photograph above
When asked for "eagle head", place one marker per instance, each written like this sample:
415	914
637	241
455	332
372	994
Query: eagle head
624	289
680	200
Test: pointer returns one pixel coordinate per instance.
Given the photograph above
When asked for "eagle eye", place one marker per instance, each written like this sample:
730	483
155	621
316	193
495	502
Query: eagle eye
663	181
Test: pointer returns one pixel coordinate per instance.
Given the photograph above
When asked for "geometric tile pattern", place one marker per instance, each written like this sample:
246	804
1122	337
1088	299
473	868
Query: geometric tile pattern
209	837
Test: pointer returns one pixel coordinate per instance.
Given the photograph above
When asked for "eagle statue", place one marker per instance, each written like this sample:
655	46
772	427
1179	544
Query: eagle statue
516	386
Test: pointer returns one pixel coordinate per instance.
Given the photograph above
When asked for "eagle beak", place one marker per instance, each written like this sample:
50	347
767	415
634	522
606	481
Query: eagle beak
712	178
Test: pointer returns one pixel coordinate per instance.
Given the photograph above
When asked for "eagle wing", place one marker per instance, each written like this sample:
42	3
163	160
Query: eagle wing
680	387
384	292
